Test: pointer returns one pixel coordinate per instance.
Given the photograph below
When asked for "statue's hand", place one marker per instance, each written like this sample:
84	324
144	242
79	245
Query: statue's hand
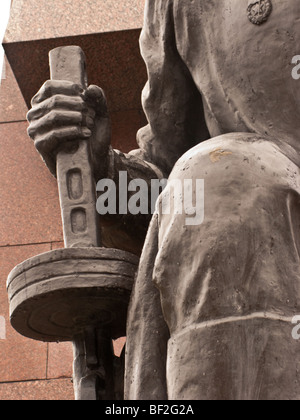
63	112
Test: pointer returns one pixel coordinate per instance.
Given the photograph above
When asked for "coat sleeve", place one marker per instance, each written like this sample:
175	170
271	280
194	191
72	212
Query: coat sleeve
171	100
174	110
147	331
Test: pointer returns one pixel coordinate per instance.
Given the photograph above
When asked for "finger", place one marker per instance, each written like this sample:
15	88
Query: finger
51	141
54	119
56	87
62	102
95	97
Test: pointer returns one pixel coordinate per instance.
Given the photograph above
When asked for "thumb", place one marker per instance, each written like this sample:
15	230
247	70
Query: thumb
94	96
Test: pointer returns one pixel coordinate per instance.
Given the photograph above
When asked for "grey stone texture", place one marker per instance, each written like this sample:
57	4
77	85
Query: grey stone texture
212	306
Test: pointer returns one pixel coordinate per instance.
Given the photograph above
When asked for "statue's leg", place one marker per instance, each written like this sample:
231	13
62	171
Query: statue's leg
230	286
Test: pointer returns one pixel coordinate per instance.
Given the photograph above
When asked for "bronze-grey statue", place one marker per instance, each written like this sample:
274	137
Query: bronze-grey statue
210	314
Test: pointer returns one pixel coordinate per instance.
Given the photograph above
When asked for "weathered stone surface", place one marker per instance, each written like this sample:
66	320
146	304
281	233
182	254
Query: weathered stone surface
122	74
216	300
12	104
90	306
30	212
53	390
76	184
212	308
30	20
54	296
21	359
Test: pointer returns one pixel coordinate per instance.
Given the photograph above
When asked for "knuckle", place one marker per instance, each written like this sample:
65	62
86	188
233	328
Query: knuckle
35	99
43	93
76	88
54	101
39	145
47	87
51	136
48	84
31	132
53	117
51	139
29	116
57	102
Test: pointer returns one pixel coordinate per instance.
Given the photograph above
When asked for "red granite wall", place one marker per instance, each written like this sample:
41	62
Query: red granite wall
29	225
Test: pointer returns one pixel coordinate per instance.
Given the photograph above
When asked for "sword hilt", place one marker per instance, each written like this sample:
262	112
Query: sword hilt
76	184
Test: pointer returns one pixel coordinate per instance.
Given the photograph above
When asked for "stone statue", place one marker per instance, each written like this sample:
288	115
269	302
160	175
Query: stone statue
211	311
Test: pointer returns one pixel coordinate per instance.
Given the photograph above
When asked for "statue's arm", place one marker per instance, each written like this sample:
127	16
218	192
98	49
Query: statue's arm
171	100
147	332
174	110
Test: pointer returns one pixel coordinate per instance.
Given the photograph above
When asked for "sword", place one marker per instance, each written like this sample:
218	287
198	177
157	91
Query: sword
93	374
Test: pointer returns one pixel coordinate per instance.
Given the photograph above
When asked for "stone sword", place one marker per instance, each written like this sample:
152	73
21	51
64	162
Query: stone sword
77	195
77	190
